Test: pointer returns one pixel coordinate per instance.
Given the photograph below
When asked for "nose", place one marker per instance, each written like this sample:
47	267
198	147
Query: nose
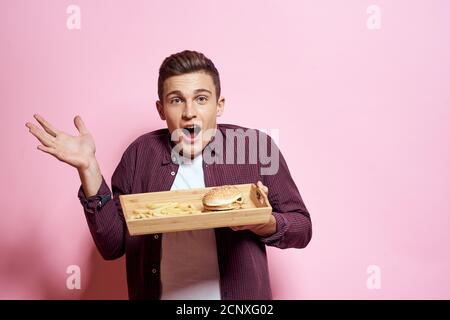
189	111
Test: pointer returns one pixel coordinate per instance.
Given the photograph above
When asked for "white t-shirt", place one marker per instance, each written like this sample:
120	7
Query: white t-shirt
189	265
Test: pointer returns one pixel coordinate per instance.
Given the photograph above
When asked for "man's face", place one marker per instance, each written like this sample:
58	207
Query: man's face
190	108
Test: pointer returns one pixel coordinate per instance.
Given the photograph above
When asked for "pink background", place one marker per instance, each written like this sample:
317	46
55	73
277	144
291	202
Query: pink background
363	119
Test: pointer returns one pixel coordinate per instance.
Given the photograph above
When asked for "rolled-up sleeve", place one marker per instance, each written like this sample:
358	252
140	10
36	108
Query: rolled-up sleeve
97	201
103	211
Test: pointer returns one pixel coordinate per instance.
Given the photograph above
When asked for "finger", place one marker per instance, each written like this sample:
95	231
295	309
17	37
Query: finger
80	125
266	190
263	187
46	125
42	136
259	184
48	150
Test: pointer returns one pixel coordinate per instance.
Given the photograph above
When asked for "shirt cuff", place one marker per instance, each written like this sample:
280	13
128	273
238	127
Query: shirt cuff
94	203
281	230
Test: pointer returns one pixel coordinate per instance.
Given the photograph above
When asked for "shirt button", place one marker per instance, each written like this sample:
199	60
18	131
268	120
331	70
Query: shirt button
156	236
153	270
172	173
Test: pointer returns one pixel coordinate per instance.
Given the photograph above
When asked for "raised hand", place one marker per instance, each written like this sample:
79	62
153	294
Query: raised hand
77	151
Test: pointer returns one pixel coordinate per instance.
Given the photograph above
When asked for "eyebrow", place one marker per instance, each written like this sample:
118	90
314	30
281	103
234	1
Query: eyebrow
195	92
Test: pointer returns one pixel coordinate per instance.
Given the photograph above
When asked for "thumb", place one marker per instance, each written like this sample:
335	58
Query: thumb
80	125
263	187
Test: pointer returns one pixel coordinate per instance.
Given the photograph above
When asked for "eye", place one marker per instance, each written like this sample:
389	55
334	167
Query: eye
202	99
175	100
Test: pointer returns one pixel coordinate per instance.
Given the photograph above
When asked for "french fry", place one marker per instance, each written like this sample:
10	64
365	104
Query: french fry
165	209
141	211
185	206
159	214
175	210
155	211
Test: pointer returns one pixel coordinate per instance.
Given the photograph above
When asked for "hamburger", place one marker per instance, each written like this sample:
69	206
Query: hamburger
223	198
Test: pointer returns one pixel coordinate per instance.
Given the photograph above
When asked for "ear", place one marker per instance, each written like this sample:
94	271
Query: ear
160	108
220	106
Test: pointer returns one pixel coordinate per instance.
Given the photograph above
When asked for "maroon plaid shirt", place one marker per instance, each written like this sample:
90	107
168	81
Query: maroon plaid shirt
146	166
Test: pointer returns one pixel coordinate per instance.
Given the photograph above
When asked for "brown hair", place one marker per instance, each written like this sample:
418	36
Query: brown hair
183	62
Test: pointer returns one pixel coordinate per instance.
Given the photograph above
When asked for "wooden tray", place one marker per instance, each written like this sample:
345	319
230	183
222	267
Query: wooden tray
257	210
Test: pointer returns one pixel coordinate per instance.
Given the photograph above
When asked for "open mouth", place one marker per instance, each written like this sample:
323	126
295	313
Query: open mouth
192	131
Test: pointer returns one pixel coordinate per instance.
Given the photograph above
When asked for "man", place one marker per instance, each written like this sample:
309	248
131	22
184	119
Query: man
194	151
